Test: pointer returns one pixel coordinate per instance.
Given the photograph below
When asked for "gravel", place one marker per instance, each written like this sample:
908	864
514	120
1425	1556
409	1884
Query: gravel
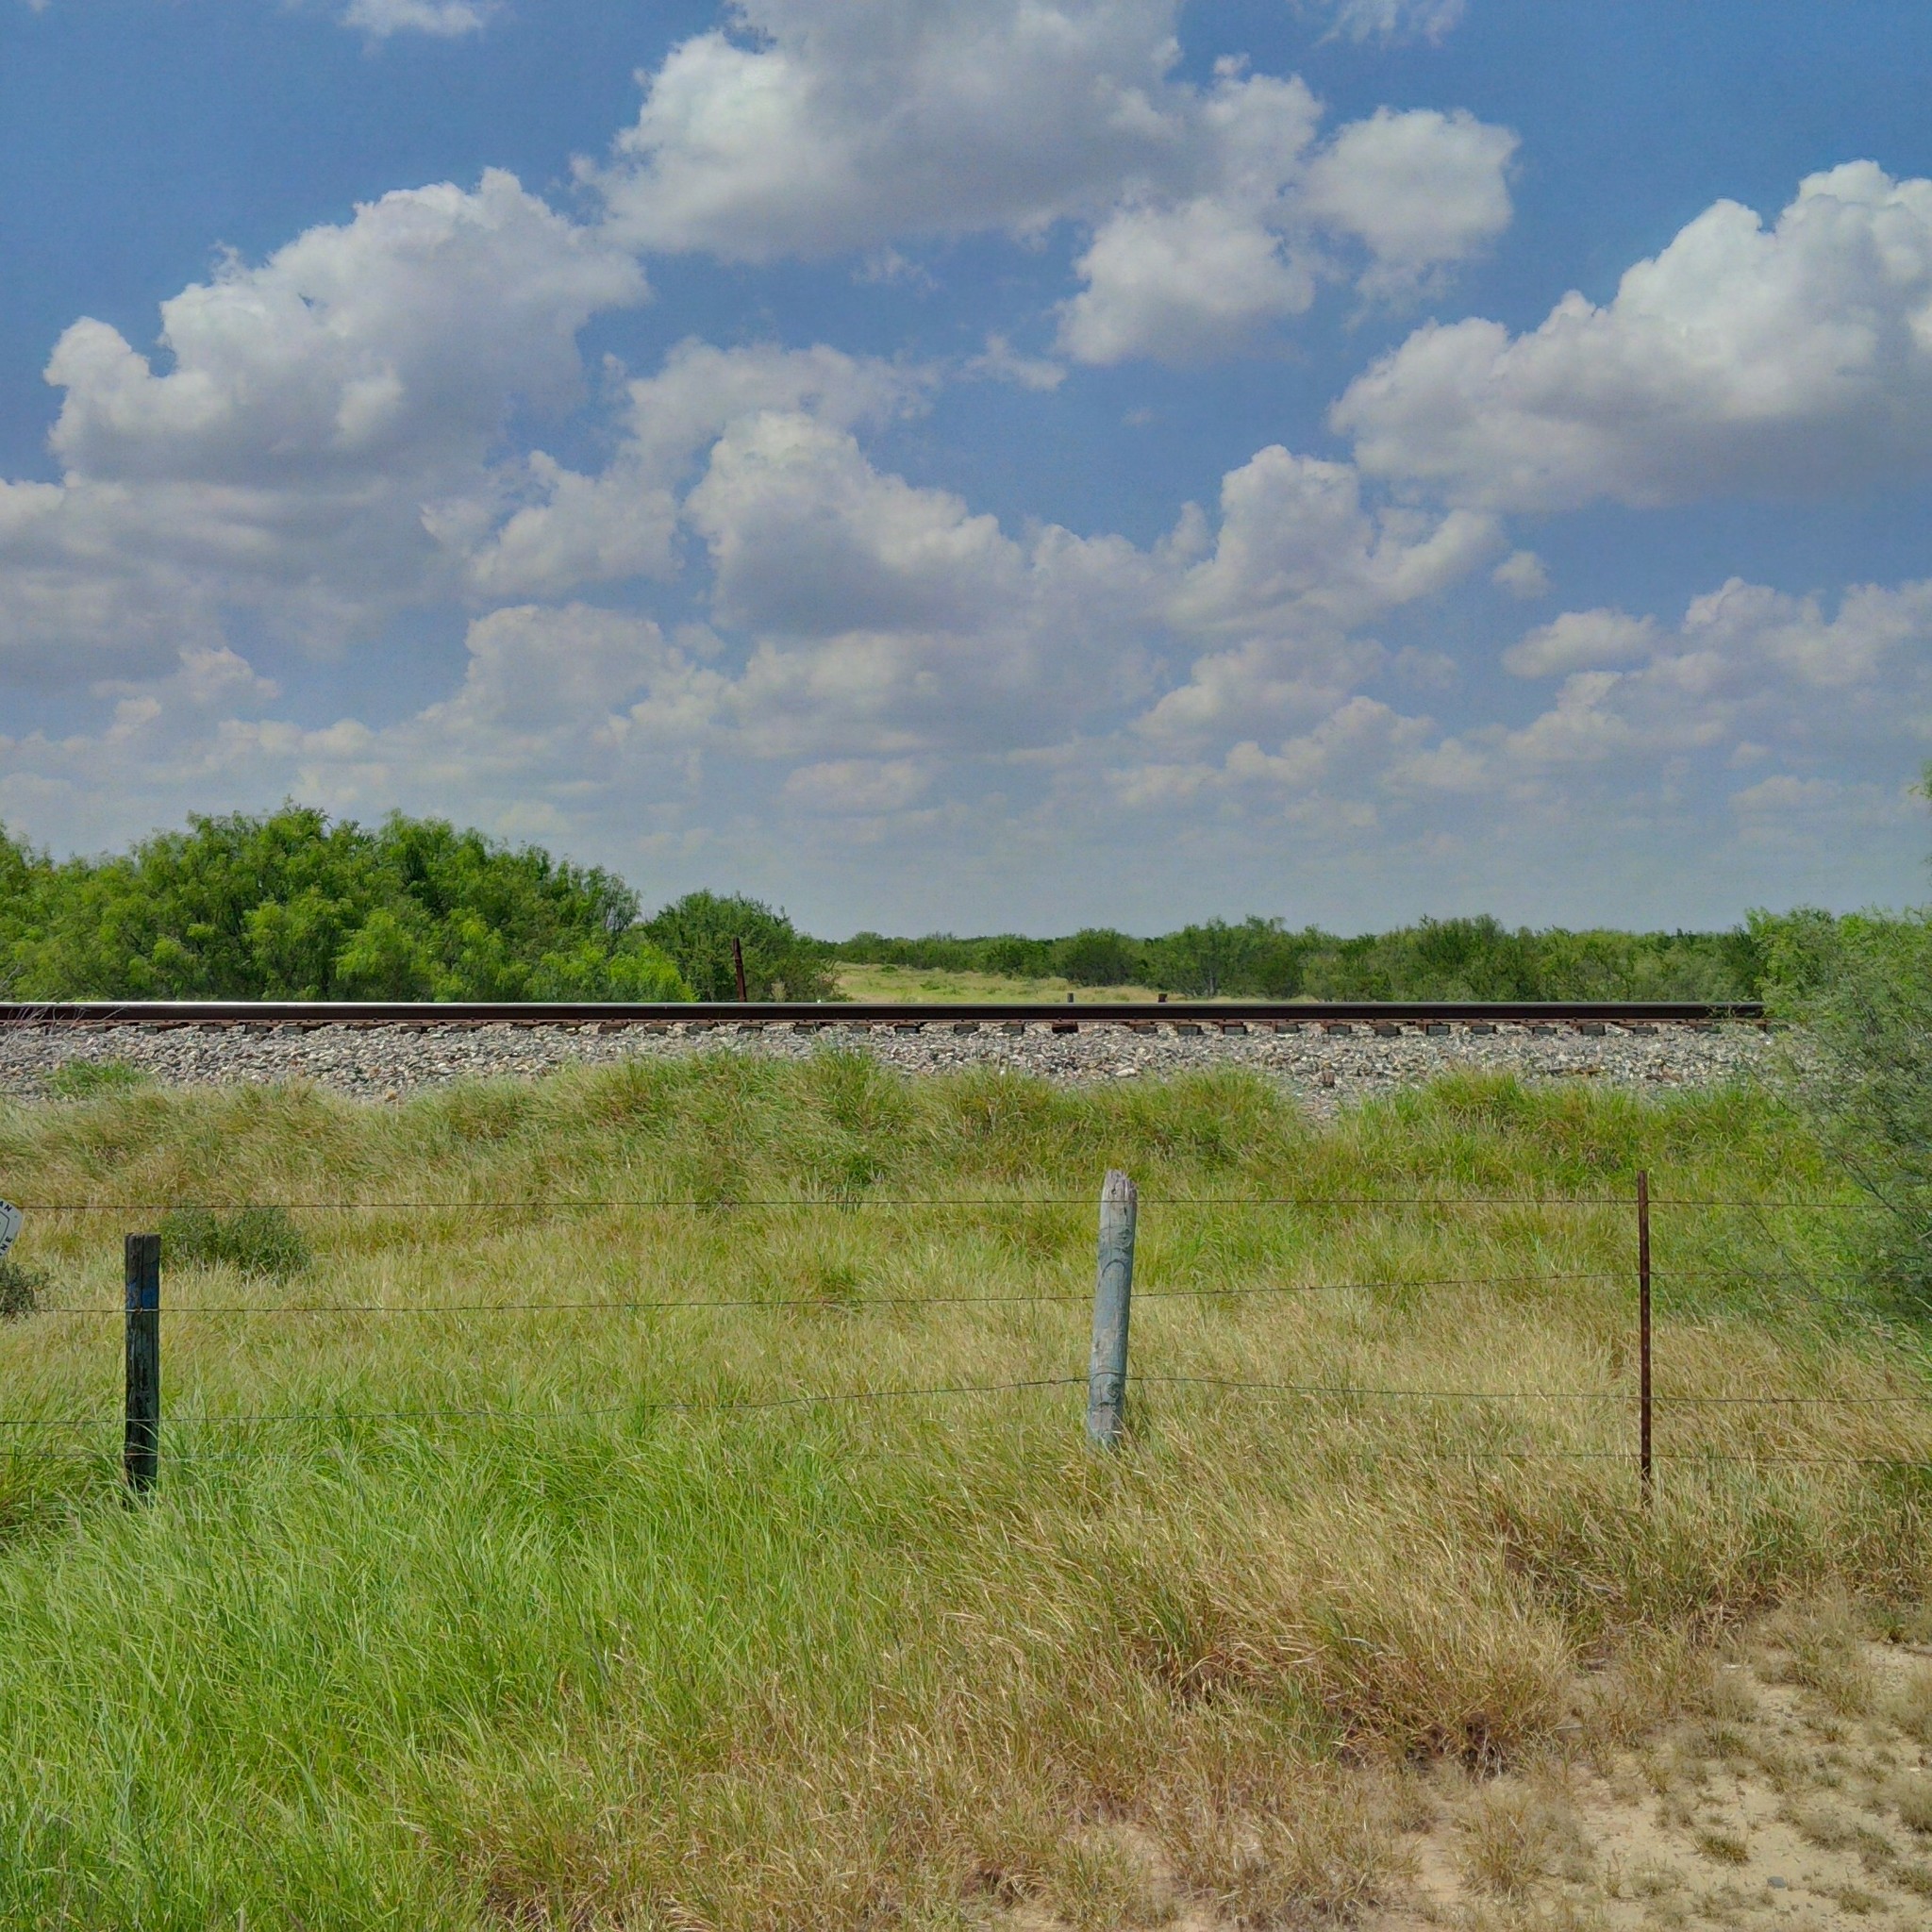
1326	1066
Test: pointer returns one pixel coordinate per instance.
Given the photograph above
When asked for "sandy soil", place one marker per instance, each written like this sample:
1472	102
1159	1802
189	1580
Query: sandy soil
1789	1786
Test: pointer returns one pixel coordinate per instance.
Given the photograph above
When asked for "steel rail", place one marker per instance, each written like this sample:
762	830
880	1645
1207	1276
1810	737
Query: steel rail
457	1013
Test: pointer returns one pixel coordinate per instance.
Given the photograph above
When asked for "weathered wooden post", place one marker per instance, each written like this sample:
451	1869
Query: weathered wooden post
1113	1295
141	1452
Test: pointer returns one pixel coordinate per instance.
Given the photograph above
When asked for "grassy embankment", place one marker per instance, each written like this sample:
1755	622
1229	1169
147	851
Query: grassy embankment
898	1662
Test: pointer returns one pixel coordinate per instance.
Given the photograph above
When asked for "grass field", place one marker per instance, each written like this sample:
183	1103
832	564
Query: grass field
864	982
600	1659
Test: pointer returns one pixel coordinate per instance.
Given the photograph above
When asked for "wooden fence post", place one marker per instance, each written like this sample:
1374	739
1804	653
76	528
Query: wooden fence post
1113	1294
141	1453
1644	1397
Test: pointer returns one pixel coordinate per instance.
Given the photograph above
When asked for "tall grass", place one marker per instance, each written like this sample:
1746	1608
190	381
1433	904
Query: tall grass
615	1654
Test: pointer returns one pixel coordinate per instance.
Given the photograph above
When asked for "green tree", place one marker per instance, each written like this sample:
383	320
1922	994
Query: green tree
1098	956
780	962
296	905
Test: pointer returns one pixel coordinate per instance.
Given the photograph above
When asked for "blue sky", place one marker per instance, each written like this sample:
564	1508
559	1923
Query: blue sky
985	463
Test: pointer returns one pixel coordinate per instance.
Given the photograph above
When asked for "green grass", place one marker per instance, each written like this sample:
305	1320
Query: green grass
601	1659
861	981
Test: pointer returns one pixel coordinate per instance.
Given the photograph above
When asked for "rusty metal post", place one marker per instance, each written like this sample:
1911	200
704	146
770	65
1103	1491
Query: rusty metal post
1643	1395
737	960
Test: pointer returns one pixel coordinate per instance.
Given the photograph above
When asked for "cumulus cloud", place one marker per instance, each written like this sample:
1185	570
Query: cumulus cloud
538	528
1184	277
1749	670
305	413
843	125
1180	284
1421	190
1742	358
1299	549
828	127
1299	565
1522	573
1644	741
1582	641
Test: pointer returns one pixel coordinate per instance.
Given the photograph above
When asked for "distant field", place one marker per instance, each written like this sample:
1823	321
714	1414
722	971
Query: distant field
648	1642
921	983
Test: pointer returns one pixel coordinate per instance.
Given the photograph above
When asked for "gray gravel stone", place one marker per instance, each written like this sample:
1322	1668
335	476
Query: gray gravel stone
1326	1067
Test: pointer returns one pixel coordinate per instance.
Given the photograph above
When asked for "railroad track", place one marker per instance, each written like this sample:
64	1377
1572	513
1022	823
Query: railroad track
263	1015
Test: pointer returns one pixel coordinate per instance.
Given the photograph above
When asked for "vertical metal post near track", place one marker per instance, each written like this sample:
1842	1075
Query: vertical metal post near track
1114	1296
738	963
141	1447
1643	1397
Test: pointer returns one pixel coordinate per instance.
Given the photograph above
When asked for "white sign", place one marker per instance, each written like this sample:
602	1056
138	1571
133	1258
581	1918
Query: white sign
10	1226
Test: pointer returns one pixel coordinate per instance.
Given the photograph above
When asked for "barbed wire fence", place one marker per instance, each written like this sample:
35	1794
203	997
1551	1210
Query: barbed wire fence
1108	1381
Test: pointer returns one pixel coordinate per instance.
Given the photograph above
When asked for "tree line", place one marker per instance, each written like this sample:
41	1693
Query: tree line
1478	958
294	905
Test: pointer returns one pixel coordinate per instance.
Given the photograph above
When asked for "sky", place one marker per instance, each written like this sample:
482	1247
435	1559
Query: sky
985	464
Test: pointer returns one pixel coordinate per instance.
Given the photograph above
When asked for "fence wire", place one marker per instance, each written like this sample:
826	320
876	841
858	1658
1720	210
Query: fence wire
20	1431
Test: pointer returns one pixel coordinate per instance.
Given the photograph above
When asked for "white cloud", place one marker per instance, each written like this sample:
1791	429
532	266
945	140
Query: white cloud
1299	550
855	786
1182	279
1180	284
837	126
1421	190
1749	671
888	617
308	412
1522	573
440	19
1792	359
846	125
1001	362
1582	641
541	530
1300	564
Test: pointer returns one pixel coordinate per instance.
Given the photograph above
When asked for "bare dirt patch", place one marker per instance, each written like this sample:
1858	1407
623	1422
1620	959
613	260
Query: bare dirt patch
1782	1779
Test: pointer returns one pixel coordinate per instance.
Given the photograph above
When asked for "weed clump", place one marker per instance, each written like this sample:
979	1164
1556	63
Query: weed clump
253	1240
20	1289
85	1079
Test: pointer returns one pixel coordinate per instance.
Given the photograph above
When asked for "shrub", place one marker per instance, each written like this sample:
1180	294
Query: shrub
253	1240
780	962
1863	990
1098	957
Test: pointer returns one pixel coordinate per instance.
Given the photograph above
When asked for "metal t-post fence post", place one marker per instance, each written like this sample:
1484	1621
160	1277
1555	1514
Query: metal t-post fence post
1113	1295
141	1447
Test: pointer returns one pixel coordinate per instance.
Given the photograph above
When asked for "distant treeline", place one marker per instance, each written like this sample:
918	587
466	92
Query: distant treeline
1436	958
296	905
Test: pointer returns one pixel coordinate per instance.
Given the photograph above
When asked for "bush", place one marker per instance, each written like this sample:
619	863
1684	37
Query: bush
20	1289
253	1240
780	962
1098	957
1863	987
